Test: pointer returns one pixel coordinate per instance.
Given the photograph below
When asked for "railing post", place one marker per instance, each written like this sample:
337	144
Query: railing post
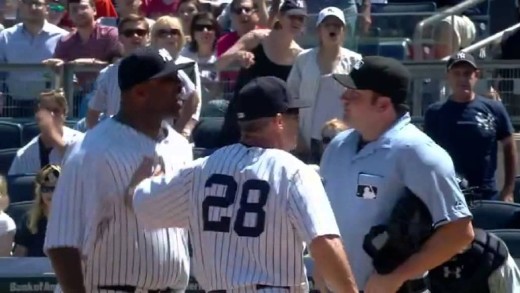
68	85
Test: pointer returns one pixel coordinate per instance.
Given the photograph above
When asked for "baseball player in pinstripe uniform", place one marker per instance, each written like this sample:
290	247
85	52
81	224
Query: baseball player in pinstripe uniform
251	206
93	239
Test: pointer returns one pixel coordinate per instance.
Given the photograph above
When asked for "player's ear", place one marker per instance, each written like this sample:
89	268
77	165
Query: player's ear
279	121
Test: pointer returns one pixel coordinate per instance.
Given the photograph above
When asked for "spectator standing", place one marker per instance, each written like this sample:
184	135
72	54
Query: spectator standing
57	10
90	44
186	10
124	9
50	146
29	42
204	34
7	225
350	12
134	33
311	79
30	236
167	34
469	127
157	8
263	52
104	8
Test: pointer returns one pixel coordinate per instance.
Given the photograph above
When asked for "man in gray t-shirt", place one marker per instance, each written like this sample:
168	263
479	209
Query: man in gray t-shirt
366	170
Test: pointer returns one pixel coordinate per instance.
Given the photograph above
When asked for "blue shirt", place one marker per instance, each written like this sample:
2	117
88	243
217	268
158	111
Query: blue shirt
469	132
364	186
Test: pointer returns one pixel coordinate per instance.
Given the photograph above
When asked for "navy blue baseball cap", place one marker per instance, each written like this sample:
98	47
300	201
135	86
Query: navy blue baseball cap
264	97
462	57
146	64
293	7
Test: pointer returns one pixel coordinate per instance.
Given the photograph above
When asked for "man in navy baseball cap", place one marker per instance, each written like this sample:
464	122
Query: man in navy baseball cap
266	110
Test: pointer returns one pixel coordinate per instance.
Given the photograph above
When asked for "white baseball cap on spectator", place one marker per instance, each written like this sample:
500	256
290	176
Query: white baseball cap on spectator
331	11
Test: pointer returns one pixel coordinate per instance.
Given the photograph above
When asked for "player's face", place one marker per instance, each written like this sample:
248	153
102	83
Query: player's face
290	131
462	78
163	96
360	108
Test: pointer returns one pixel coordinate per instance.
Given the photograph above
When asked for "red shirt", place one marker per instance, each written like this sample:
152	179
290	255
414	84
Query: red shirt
156	8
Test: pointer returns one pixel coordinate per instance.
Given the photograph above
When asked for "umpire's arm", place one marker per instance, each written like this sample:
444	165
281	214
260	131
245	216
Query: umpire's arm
427	170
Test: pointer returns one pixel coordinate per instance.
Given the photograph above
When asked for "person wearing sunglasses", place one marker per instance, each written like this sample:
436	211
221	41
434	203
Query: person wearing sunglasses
167	33
30	236
134	33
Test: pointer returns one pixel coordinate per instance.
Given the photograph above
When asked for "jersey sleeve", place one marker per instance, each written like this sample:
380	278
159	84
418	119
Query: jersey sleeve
163	201
428	171
99	100
309	208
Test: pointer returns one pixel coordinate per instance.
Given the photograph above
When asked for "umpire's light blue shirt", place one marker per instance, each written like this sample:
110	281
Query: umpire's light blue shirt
364	186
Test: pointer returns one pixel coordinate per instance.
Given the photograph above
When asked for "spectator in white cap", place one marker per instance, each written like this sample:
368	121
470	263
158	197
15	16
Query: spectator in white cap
311	78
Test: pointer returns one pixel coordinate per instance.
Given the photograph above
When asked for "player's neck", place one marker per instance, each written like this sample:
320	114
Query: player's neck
150	126
257	142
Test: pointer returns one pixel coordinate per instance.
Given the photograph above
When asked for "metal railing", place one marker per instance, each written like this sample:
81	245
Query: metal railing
421	26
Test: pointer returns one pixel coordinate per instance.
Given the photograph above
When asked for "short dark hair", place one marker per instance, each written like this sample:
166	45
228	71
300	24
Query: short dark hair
92	3
131	18
193	47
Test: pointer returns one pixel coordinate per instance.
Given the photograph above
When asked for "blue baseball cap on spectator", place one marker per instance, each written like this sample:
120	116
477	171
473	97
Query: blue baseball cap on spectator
294	7
264	97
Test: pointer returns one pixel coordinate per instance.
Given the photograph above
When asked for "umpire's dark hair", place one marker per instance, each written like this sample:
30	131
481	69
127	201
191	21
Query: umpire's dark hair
206	16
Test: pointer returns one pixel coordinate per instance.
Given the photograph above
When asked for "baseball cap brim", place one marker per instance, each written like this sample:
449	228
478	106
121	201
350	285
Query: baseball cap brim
296	11
172	69
462	61
320	20
345	80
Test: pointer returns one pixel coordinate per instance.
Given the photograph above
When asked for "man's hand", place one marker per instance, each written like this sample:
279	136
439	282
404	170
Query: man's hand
49	128
149	167
53	62
245	58
507	196
84	61
383	283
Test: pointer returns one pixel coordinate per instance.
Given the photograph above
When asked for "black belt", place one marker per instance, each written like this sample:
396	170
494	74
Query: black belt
257	286
132	289
413	286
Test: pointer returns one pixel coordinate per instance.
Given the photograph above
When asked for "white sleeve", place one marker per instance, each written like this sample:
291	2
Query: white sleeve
189	88
99	102
27	160
309	208
505	279
163	201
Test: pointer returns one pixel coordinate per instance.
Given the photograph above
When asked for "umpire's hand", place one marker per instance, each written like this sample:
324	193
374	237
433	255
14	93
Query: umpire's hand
148	168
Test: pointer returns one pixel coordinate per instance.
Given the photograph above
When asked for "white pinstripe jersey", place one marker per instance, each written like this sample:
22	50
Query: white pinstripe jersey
249	211
88	211
27	160
107	95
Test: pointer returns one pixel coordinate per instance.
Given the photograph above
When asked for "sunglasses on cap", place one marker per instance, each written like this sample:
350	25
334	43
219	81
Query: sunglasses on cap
162	33
128	33
47	189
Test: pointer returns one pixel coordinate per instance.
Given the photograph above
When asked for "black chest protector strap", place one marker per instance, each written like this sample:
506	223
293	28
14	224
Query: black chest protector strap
469	272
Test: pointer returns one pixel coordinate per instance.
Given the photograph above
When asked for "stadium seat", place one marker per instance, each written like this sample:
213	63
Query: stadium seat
512	239
6	159
21	187
516	192
491	215
18	210
369	48
410	7
397	49
10	134
30	131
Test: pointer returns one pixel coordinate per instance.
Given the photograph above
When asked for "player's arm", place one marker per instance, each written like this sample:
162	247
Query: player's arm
190	111
98	102
65	229
310	212
163	201
427	170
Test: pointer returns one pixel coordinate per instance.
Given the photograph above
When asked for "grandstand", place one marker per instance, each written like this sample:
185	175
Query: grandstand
404	30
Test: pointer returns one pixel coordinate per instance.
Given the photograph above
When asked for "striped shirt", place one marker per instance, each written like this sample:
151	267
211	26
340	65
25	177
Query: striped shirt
89	213
249	212
28	161
107	96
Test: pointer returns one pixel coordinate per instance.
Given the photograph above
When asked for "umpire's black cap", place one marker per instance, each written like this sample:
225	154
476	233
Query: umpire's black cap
145	64
265	97
462	57
383	75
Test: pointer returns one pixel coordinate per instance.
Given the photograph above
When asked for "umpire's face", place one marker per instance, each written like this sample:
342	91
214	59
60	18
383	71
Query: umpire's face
363	108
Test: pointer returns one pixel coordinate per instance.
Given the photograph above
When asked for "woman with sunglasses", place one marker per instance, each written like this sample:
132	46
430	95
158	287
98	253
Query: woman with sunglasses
266	52
30	237
204	34
167	33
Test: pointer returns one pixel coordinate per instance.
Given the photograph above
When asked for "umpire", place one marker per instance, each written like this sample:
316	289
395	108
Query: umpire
378	158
